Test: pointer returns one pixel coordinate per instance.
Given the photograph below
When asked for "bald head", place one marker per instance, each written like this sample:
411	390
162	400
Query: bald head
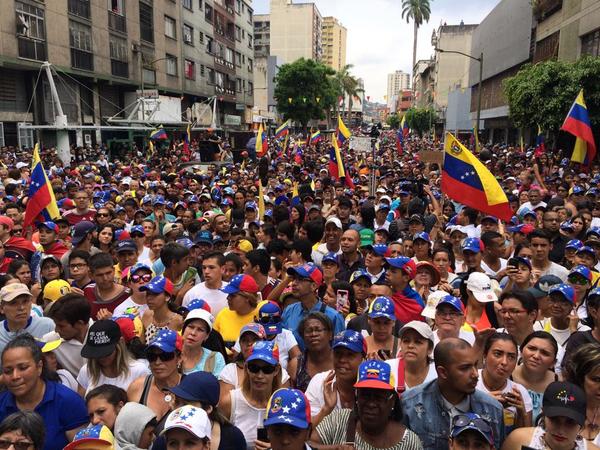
349	242
442	355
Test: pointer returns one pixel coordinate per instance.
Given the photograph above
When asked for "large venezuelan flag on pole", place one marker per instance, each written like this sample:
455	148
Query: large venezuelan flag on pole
158	133
342	133
336	164
41	205
466	180
261	142
578	124
187	138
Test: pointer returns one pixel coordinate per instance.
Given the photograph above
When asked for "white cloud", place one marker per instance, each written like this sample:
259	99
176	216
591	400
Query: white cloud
380	41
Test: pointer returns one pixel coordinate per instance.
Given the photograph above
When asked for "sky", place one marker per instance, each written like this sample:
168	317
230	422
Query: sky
380	41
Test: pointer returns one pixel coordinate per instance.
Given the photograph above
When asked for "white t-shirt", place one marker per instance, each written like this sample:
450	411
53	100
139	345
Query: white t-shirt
556	269
561	336
134	308
431	375
320	251
229	375
462	334
68	354
285	342
214	297
491	272
314	393
136	369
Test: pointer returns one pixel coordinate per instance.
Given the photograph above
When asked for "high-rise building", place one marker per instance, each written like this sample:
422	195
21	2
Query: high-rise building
334	43
295	31
397	82
262	35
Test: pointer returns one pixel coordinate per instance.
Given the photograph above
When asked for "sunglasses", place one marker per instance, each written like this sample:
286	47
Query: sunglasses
269	319
145	278
164	356
17	445
255	368
463	420
579	281
102	215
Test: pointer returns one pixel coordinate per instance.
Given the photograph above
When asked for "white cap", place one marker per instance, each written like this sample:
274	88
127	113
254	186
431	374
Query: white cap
432	301
385	198
201	314
21	165
189	418
381	190
420	327
169	227
452	228
334	220
481	286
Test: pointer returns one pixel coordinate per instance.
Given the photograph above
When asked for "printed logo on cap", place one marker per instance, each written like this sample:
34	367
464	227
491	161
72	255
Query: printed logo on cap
99	337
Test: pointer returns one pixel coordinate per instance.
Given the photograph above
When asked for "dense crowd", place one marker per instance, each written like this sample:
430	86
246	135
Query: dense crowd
170	307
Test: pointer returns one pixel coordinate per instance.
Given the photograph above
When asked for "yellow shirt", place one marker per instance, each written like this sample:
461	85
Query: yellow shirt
229	323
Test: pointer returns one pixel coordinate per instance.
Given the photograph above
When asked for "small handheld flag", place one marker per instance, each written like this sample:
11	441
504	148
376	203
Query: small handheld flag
315	137
342	133
261	142
283	130
42	203
158	133
186	140
540	146
578	124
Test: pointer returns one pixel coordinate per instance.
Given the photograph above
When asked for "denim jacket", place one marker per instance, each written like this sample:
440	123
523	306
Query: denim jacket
426	415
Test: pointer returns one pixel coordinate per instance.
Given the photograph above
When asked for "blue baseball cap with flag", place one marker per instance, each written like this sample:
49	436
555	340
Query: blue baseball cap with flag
471	421
330	257
166	340
158	285
49	225
472	245
581	270
97	437
565	290
378	249
350	339
453	301
269	316
405	263
266	351
136	229
375	374
574	244
424	236
360	274
382	307
288	407
307	270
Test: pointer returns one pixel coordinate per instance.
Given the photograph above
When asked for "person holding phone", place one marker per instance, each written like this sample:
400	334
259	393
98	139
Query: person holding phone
518	271
563	320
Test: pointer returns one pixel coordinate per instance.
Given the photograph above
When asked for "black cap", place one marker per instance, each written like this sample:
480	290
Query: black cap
564	399
126	245
101	340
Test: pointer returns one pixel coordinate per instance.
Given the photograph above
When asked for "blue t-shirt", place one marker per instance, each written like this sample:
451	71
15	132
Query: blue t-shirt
61	408
36	326
294	313
219	363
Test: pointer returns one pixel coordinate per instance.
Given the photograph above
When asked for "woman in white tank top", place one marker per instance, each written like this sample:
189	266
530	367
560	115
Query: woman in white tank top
246	406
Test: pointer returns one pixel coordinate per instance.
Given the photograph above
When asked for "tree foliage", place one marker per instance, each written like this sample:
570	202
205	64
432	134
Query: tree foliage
304	90
542	94
393	120
420	119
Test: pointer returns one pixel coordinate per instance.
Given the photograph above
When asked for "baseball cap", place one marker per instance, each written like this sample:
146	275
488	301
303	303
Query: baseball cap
11	291
581	270
169	227
242	282
102	338
471	421
81	230
375	374
472	245
158	285
204	237
126	245
7	222
565	290
367	236
524	228
136	229
330	257
432	301
481	286
185	241
98	437
594	293
198	387
378	249
453	301
307	270
542	286
490	218
415	218
256	329
420	327
574	244
55	289
405	263
166	340
524	261
288	407
564	399
350	339
334	220
586	249
198	303
49	225
266	351
381	307
191	419
423	236
200	314
269	315
245	245
360	274
139	266
130	325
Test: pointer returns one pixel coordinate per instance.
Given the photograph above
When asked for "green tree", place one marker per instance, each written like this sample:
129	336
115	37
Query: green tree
418	11
347	84
420	119
542	94
393	120
304	90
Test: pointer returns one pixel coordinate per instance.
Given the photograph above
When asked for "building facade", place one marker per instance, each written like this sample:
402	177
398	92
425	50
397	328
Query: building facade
397	82
334	43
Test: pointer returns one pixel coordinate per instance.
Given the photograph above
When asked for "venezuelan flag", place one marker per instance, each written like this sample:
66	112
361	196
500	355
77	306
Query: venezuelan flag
342	132
404	126
336	165
42	203
578	124
261	142
466	180
158	133
187	138
283	130
400	141
315	137
540	143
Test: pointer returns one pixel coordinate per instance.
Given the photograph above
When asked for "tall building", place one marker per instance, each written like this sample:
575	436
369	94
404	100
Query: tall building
105	50
262	35
397	82
334	43
295	31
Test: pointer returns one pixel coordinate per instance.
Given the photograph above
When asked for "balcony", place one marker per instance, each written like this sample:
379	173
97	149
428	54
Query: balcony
545	8
116	22
224	63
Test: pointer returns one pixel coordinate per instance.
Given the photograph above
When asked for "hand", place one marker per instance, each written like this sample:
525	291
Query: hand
514	398
186	287
482	335
374	355
261	445
103	314
444	286
345	309
573	320
535	275
330	393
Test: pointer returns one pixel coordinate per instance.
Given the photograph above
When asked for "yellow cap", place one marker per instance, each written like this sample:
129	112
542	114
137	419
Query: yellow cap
55	289
245	245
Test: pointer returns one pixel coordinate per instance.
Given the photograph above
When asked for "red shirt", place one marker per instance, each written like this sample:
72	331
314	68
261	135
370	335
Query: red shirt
73	217
97	303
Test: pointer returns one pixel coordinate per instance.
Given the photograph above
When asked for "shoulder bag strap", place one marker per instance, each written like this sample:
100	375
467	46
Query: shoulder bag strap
400	384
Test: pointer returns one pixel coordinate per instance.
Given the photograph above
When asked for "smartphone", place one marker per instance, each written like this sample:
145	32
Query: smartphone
512	262
261	434
341	299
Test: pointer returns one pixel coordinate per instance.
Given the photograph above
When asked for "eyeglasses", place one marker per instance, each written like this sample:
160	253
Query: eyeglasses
77	266
579	281
18	445
163	356
511	311
102	215
145	278
255	368
270	319
448	314
462	420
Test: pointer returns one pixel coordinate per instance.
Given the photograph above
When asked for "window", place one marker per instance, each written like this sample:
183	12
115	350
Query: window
31	32
238	84
187	4
210	46
208	13
201	37
170	27
199	4
80	39
250	65
229	56
238	7
238	59
117	7
190	69
238	33
80	8
250	12
211	76
25	137
146	23
188	34
250	88
171	65
116	16
118	56
590	43
249	41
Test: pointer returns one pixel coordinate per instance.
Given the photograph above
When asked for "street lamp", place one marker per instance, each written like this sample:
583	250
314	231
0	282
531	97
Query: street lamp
480	61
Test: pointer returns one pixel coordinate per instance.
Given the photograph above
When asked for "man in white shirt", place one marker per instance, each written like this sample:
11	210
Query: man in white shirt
210	289
333	236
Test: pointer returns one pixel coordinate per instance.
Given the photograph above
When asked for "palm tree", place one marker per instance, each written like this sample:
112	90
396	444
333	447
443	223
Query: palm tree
418	11
347	85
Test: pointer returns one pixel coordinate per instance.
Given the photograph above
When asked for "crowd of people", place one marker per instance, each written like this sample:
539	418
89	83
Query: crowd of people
171	308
